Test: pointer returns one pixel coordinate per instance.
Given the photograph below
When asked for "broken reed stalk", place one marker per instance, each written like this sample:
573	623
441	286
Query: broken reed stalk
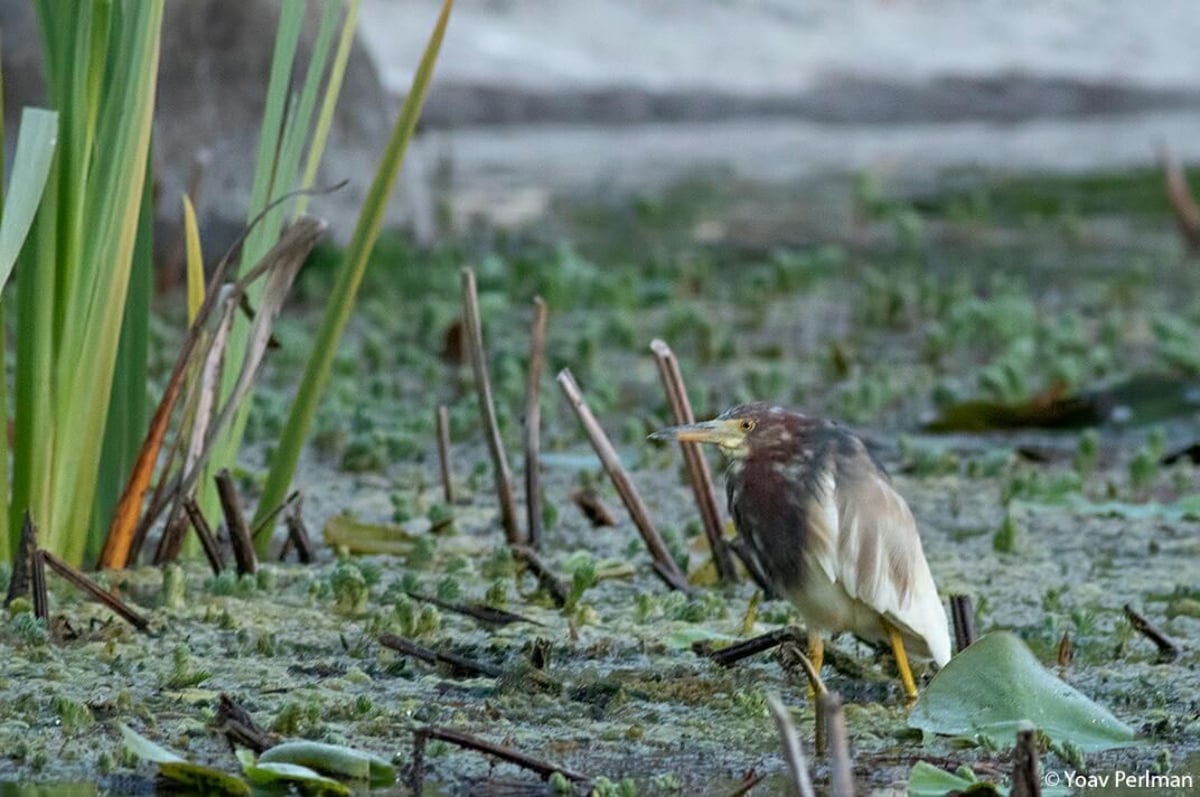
789	740
1168	649
443	446
533	423
693	457
487	410
240	729
37	582
550	582
841	770
235	521
298	533
171	542
416	772
1025	780
664	563
1064	650
208	540
22	572
963	617
1183	204
487	615
82	582
465	740
460	664
748	784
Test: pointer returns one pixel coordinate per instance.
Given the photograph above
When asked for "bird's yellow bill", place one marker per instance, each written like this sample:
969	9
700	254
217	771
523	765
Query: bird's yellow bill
724	433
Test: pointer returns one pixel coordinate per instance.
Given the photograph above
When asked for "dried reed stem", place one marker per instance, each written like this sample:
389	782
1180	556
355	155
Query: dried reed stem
533	423
963	617
235	521
790	742
443	446
208	540
841	769
693	457
487	410
665	565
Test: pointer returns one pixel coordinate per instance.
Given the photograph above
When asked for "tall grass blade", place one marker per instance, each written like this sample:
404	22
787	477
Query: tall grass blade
286	125
316	374
333	89
36	140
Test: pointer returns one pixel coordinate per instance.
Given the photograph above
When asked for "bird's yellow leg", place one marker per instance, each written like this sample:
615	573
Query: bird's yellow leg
816	651
816	655
906	676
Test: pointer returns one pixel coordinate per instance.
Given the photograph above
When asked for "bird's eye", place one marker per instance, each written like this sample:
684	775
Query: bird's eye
747	424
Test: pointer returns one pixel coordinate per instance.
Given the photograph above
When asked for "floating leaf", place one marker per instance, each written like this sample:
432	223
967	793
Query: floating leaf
926	780
199	779
311	782
997	686
359	536
145	749
331	759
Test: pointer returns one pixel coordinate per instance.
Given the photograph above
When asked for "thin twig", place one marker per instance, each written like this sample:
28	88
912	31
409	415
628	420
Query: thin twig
550	582
697	465
1168	649
80	581
841	768
731	655
790	742
469	742
460	664
487	411
665	564
488	615
533	422
208	540
1025	780
443	445
286	506
235	521
963	616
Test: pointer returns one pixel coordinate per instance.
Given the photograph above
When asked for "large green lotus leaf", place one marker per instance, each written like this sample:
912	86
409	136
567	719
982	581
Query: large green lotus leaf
996	686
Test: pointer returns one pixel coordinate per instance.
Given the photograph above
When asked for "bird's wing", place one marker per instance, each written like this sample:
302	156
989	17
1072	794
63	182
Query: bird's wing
879	558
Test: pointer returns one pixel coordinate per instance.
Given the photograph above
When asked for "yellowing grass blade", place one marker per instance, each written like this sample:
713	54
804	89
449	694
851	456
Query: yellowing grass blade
195	261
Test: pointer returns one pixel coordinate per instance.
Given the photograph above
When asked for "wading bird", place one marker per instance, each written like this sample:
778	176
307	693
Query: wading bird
828	530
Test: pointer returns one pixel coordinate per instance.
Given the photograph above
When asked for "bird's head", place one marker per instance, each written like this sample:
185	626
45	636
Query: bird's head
742	430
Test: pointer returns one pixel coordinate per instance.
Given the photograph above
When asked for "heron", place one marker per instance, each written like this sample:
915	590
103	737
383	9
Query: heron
820	516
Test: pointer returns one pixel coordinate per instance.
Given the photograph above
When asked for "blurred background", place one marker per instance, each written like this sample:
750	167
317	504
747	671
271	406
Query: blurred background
534	101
